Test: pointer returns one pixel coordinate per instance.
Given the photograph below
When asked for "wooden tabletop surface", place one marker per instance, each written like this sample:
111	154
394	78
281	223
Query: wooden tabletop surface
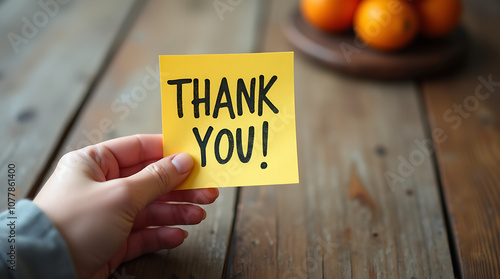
398	179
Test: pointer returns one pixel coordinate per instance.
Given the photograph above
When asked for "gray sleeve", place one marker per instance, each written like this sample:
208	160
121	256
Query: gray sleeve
30	246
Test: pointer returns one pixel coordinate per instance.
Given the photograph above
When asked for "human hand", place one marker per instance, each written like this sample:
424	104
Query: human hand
111	202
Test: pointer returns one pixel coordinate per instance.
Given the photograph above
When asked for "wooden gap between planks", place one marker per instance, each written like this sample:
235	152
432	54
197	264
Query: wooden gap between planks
263	24
119	38
452	244
232	244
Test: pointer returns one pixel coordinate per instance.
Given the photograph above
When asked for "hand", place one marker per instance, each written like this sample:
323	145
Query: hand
111	202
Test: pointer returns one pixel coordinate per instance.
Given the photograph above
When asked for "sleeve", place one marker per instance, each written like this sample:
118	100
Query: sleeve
30	245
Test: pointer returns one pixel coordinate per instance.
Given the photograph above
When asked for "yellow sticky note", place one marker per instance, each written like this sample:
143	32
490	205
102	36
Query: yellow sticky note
235	115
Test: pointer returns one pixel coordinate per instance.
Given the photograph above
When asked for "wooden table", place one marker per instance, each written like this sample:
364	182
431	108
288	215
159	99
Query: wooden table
79	72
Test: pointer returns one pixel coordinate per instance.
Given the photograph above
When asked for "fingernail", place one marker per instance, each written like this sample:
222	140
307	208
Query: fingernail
214	191
185	234
183	162
204	215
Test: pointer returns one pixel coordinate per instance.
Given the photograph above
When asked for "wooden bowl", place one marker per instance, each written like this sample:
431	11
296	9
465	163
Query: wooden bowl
345	53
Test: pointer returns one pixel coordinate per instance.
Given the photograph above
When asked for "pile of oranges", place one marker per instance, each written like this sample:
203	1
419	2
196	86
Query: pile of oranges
384	24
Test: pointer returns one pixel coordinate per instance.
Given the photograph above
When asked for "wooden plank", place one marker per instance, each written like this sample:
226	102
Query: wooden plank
344	220
15	16
127	101
45	83
465	108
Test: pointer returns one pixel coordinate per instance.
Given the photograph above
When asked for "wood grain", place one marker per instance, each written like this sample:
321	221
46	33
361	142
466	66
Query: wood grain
43	85
465	108
344	220
17	37
127	101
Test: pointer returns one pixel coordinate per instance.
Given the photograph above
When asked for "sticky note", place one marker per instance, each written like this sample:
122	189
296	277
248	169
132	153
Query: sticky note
234	114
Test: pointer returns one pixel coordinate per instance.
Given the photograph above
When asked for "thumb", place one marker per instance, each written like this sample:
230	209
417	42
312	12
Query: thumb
159	178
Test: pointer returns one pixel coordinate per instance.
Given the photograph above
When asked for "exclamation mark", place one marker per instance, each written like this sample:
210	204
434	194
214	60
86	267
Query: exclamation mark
265	129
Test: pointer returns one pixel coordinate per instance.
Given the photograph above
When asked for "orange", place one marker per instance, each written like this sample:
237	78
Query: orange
329	15
438	17
386	24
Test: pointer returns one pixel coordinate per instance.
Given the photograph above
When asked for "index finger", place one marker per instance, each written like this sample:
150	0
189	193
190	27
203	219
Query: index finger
132	150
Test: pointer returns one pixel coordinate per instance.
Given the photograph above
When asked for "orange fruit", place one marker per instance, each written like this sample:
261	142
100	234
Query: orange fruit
438	17
329	15
386	24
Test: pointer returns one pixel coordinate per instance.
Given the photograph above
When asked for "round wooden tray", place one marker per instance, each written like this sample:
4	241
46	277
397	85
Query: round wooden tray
344	52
